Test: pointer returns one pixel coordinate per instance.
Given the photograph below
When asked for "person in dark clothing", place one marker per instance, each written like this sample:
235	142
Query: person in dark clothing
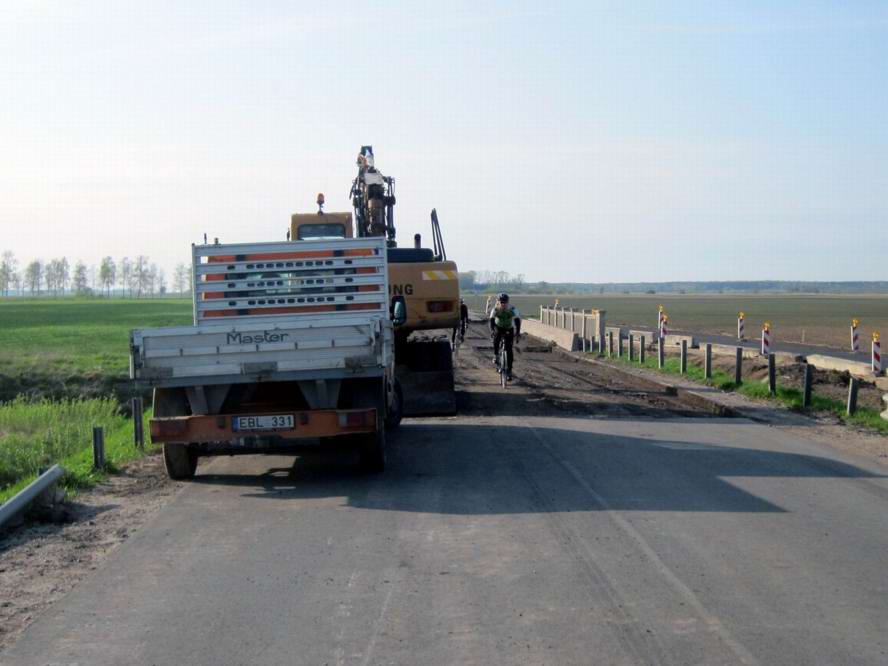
463	323
505	327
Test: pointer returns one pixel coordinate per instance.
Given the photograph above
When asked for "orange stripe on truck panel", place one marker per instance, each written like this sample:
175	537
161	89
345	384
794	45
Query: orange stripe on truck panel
275	256
242	312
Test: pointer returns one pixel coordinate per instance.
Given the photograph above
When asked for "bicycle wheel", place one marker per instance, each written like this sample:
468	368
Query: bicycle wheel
503	365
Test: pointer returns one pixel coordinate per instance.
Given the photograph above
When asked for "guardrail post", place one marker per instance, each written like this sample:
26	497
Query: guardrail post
631	347
98	447
809	383
661	352
684	357
707	362
620	344
772	375
852	395
138	424
738	366
610	343
641	350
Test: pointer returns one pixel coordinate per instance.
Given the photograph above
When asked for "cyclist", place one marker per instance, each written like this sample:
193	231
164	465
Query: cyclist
463	322
505	327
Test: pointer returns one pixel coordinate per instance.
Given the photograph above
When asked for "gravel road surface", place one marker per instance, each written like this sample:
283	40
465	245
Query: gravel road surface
575	518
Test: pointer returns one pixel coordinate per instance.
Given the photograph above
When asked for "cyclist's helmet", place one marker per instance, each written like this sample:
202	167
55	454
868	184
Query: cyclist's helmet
503	298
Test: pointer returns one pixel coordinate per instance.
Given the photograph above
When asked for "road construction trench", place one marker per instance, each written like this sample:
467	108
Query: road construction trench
549	381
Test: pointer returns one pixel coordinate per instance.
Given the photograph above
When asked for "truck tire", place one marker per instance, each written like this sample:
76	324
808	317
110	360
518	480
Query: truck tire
396	409
180	462
371	448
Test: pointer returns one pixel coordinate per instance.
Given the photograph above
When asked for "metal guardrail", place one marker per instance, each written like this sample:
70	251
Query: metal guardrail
20	501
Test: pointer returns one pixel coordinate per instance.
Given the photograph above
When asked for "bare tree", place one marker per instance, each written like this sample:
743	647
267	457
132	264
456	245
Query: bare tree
51	275
81	279
107	274
8	271
125	274
141	274
161	282
180	278
34	277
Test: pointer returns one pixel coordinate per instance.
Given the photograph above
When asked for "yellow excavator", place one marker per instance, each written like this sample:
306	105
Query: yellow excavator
425	278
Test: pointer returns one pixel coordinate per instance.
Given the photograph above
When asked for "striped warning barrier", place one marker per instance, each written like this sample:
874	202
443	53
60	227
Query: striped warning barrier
440	275
766	338
877	354
855	336
741	326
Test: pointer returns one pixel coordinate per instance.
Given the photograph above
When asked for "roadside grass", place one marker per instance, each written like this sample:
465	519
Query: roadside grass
790	397
34	435
74	348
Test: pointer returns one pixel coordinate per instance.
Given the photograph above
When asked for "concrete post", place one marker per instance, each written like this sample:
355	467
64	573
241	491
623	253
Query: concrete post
852	396
661	352
707	362
542	320
772	375
684	357
809	383
738	366
610	343
583	330
631	347
641	350
601	345
620	344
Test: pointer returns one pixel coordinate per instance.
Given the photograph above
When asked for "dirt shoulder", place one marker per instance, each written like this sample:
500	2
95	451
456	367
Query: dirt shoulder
820	427
42	561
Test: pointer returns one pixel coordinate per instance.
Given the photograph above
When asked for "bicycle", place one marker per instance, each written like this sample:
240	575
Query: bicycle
503	364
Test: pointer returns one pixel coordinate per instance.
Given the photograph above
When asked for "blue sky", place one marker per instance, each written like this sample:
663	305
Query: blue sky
566	141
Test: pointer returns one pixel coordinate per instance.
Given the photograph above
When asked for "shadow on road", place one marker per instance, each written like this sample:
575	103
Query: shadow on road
479	469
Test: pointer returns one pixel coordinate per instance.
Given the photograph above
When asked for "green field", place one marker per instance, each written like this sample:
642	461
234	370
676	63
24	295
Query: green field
72	348
814	319
67	361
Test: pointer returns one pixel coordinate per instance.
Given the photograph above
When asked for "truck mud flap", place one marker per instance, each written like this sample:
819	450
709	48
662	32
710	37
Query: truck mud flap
426	375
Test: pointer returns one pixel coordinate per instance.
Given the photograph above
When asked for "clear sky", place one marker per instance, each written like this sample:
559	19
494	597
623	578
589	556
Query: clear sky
588	141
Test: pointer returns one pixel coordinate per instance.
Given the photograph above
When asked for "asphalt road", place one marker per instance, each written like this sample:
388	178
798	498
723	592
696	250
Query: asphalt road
538	535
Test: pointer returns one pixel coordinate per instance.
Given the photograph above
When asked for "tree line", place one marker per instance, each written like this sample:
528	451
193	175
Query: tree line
128	277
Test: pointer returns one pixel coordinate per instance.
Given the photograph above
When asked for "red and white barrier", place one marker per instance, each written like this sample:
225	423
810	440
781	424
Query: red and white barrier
855	336
877	354
766	339
741	326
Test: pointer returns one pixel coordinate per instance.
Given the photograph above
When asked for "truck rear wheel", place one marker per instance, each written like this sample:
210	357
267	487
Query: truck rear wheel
396	409
180	462
371	448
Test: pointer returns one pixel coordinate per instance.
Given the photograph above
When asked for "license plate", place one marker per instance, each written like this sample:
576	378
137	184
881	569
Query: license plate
264	422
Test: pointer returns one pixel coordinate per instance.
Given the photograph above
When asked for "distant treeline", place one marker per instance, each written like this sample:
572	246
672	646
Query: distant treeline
502	281
135	277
